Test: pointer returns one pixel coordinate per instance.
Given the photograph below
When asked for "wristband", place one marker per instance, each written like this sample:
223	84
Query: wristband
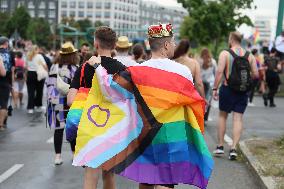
214	89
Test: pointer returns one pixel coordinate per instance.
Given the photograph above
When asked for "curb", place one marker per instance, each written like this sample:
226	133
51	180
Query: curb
256	167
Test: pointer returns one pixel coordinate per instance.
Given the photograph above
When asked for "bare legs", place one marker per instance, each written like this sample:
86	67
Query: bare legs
92	176
3	115
237	128
222	127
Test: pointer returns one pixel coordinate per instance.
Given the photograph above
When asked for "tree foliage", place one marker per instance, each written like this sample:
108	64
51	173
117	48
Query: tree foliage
4	18
84	24
19	22
39	32
98	23
210	22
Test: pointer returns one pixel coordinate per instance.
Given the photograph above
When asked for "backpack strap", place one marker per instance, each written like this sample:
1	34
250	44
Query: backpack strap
82	75
234	55
246	56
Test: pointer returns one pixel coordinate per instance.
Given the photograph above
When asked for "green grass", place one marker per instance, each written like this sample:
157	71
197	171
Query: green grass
281	92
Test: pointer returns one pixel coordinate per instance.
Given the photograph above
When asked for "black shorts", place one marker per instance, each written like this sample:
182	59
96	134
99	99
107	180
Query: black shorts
232	101
4	96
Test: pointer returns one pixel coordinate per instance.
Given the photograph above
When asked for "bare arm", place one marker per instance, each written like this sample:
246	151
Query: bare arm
71	96
219	73
2	68
198	80
253	67
220	69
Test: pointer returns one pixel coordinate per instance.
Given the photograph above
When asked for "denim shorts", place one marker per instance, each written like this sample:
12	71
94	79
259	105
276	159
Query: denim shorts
230	100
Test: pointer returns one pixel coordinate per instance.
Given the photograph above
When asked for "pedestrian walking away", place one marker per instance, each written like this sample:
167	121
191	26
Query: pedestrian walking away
181	56
37	72
273	65
123	47
104	46
61	73
234	67
208	71
6	79
19	79
128	114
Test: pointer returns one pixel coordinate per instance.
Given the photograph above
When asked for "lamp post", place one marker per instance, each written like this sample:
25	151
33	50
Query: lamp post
280	17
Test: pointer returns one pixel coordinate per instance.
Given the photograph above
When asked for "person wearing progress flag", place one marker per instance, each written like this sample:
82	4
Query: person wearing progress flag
146	123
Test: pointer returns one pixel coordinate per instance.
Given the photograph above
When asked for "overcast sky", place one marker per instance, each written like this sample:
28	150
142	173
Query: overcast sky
265	8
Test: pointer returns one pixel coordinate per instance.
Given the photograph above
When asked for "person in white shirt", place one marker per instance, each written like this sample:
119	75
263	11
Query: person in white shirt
279	45
35	86
122	48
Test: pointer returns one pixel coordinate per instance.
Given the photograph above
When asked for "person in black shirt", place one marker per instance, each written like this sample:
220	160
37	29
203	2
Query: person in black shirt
83	52
272	62
105	39
5	81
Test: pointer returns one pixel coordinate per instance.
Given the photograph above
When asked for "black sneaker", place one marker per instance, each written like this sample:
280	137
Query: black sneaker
233	154
272	105
219	151
265	100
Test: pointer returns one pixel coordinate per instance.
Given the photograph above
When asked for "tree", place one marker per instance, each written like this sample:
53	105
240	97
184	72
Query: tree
98	23
70	21
84	24
4	18
39	32
19	21
210	22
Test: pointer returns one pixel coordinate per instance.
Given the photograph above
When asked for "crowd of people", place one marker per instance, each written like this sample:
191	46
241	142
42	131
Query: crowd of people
233	81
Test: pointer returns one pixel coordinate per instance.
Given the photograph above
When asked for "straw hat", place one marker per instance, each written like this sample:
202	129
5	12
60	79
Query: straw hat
67	48
123	42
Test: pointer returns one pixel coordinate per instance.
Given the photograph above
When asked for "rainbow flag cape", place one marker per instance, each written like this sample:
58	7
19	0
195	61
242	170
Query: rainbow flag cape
75	113
162	140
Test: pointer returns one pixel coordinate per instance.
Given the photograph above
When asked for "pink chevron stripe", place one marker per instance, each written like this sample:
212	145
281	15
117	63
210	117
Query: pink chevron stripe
117	138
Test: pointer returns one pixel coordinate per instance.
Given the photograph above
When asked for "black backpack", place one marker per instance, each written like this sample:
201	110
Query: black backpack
19	73
240	77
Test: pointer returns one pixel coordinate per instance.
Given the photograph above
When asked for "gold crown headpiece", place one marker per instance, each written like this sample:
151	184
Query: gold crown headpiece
161	30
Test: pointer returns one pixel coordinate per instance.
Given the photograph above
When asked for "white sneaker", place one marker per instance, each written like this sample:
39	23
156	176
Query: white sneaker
250	104
219	151
40	109
58	161
30	111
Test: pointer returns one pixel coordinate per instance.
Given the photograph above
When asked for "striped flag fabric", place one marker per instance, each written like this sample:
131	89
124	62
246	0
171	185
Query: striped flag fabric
146	125
75	113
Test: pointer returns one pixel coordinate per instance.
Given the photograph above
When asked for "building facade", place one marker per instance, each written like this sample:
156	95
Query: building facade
263	25
47	9
153	13
126	17
122	15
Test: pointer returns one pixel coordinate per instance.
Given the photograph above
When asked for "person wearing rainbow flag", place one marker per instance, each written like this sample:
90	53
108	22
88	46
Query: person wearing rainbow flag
146	123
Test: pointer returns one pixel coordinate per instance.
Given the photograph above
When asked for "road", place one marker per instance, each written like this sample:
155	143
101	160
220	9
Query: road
26	153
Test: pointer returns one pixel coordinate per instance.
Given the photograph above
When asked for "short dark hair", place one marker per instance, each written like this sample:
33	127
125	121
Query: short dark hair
138	51
236	36
106	37
254	51
157	43
19	54
182	48
85	44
